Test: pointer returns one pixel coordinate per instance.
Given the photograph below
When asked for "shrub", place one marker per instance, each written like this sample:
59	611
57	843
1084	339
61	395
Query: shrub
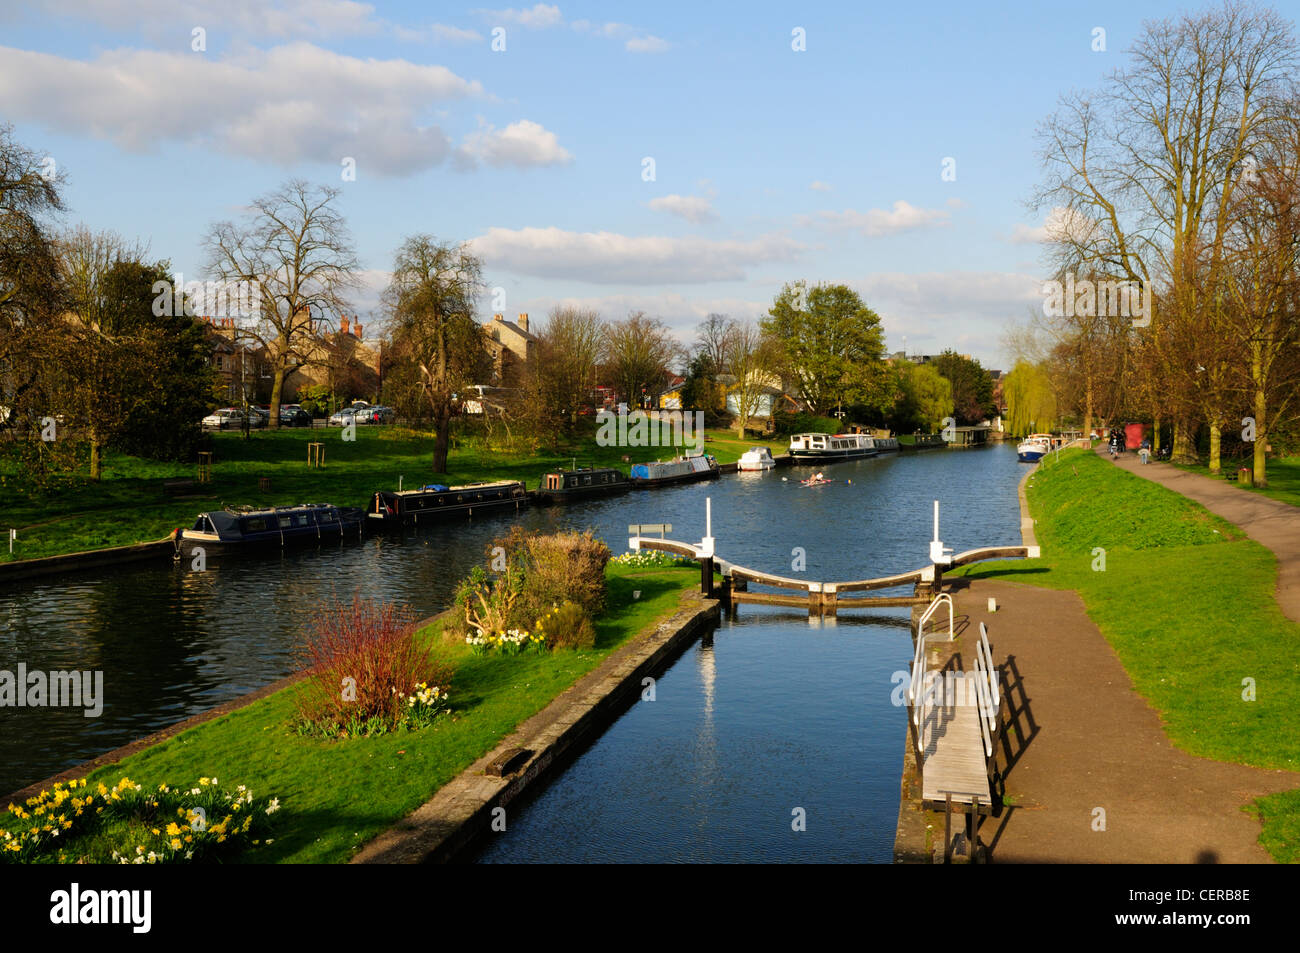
569	627
563	567
366	668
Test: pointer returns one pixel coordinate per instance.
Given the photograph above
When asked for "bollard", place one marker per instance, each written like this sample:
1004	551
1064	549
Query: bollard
706	577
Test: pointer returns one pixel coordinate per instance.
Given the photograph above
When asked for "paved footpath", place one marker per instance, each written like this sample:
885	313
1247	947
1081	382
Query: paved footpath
1082	738
1272	523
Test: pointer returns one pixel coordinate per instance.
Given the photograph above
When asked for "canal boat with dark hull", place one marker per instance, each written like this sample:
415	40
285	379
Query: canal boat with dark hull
687	469
236	529
827	448
562	486
435	501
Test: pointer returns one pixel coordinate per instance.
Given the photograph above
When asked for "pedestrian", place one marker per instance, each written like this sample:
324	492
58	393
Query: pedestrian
1145	451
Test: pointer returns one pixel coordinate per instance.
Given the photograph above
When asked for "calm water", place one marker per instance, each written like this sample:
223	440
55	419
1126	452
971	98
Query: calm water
771	714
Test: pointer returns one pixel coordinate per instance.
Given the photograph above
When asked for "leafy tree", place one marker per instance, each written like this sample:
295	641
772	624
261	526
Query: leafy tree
1031	400
925	399
750	362
829	342
972	387
700	390
570	350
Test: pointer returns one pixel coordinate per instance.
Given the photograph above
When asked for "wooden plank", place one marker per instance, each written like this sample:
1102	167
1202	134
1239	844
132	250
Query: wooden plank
953	760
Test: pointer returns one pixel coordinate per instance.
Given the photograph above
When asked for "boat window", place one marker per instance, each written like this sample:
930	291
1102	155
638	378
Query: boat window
257	524
586	480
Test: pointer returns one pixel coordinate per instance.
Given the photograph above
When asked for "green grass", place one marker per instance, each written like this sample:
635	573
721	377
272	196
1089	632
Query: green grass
1187	603
336	795
129	506
1283	475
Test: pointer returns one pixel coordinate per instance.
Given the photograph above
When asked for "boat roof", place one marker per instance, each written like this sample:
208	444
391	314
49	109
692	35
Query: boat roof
453	489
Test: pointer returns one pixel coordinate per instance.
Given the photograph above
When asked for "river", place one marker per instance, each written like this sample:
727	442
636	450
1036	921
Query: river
774	715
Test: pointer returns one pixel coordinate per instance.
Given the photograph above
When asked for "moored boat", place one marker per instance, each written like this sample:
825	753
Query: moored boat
238	528
560	486
825	447
685	469
437	501
1033	447
756	458
885	444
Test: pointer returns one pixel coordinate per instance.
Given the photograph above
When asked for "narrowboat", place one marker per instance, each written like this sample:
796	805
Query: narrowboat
436	501
560	486
825	447
756	458
238	528
1034	447
687	469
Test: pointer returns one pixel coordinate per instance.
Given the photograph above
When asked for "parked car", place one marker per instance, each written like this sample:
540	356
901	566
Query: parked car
376	415
343	418
259	417
292	415
227	418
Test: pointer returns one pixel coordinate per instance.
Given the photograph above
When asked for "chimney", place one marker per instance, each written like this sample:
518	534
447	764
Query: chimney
343	324
498	317
523	321
356	327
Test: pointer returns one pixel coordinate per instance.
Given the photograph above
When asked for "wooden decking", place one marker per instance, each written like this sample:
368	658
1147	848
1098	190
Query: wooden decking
952	744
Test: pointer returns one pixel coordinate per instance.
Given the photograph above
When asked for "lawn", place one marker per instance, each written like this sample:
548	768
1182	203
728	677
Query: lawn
336	795
1187	602
129	504
1283	477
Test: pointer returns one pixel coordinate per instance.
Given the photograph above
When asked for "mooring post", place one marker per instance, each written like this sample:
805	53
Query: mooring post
706	576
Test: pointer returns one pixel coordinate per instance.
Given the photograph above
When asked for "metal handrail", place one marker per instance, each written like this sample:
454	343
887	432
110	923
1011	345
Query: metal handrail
915	691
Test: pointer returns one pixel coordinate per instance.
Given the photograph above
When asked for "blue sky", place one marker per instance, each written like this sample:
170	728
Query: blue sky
770	164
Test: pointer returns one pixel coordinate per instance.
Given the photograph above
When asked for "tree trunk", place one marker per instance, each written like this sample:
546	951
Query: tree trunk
277	388
1087	408
95	452
1184	449
1155	435
1259	472
441	437
1216	438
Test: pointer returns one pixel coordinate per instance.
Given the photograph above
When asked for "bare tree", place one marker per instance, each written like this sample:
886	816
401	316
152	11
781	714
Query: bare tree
713	339
295	246
638	354
431	300
572	348
751	361
1140	178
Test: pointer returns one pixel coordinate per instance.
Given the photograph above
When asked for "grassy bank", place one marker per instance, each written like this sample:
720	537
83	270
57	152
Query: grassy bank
129	504
336	795
1283	478
1187	603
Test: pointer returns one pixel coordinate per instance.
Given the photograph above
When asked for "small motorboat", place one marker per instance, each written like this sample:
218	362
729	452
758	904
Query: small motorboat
242	527
825	447
756	458
1034	447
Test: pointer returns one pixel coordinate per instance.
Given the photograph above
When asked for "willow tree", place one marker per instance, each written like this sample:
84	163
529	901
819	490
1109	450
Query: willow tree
431	300
1142	175
1031	399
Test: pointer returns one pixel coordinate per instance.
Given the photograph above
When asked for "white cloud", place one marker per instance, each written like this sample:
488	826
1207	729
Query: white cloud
521	144
291	103
611	258
820	186
289	19
875	222
1060	223
537	17
454	34
693	208
646	44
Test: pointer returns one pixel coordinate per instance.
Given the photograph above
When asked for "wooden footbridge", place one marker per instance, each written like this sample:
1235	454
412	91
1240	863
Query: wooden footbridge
820	598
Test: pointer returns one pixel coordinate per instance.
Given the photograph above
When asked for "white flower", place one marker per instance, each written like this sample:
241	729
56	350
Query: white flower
273	807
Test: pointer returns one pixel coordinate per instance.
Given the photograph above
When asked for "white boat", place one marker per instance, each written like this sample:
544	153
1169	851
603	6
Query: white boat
1034	447
823	447
756	458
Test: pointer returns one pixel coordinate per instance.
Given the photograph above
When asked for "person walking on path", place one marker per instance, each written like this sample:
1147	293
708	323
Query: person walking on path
1145	452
